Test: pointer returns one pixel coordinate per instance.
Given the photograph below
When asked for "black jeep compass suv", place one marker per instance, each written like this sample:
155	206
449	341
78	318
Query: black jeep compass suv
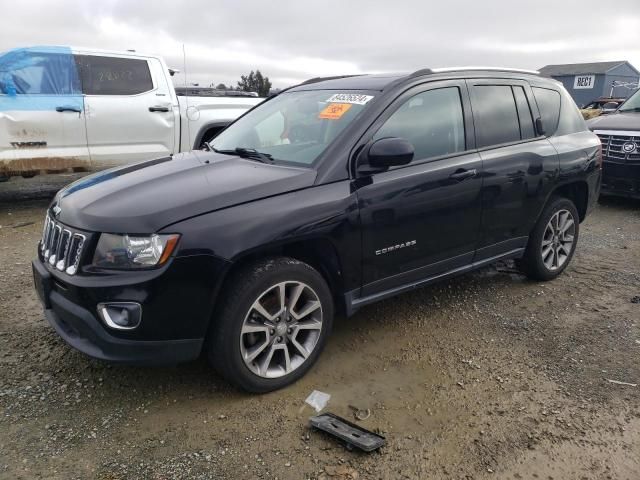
332	195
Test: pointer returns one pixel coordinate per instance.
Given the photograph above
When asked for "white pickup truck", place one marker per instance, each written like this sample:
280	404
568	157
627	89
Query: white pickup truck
65	109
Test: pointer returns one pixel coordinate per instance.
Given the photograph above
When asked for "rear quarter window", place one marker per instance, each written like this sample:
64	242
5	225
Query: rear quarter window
571	120
549	106
113	75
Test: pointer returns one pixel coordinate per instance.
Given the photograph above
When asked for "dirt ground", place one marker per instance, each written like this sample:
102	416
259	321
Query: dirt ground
484	376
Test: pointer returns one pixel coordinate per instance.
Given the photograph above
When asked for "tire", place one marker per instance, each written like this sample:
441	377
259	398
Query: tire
257	344
558	227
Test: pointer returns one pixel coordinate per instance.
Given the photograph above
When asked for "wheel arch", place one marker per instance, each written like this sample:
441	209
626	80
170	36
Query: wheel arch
319	252
577	192
209	129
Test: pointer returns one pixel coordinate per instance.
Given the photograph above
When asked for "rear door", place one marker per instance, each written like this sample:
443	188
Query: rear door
42	124
519	165
422	219
129	111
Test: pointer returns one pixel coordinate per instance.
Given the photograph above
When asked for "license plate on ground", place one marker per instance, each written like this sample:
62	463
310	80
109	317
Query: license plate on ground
42	283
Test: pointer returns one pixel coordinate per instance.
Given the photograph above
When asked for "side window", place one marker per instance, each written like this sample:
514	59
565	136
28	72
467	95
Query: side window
571	120
524	113
495	108
113	75
549	106
432	121
33	73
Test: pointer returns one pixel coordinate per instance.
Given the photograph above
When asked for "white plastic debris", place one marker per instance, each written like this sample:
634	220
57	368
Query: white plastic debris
318	400
618	382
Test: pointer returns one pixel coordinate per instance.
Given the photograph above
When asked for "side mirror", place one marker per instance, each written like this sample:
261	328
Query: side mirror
540	126
388	152
610	106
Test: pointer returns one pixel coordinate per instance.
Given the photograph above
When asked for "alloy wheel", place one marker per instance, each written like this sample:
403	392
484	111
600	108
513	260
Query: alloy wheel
558	238
281	329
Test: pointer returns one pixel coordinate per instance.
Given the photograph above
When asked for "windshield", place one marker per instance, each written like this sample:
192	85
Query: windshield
632	104
294	126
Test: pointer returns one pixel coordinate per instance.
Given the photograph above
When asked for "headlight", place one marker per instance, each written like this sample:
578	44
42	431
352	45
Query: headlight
130	252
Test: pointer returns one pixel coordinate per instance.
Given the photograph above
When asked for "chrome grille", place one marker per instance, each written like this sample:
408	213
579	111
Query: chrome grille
613	144
61	247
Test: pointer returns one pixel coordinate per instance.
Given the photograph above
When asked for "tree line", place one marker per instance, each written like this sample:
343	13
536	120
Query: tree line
254	82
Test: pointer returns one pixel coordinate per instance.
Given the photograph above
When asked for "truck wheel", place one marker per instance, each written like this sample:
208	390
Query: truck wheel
552	242
275	319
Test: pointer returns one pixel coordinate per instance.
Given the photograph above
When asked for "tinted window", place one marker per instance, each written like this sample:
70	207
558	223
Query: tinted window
571	120
114	76
524	113
432	121
34	73
495	109
549	106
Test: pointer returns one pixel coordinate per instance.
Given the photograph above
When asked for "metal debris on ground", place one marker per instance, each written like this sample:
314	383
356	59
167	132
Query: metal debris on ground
22	224
352	434
318	400
359	413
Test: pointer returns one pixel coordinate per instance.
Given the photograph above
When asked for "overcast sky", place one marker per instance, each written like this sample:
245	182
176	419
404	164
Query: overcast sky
291	41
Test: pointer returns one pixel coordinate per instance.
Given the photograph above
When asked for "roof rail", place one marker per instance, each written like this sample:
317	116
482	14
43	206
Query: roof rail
430	71
322	79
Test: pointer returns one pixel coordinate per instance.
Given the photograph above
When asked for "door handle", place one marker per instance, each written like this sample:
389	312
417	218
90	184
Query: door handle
158	109
462	174
68	108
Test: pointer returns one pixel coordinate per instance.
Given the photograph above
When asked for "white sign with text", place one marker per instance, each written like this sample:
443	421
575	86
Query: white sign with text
584	81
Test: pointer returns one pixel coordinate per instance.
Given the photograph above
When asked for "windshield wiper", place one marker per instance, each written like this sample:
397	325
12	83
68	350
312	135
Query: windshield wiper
633	109
249	153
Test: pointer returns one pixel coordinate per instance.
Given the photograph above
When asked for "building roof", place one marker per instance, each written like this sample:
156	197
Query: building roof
582	68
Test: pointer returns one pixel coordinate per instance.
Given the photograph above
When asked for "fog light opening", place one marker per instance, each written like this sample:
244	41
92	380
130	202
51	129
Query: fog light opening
120	315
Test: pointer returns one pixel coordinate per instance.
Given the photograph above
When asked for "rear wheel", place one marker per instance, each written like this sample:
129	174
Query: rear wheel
272	326
553	241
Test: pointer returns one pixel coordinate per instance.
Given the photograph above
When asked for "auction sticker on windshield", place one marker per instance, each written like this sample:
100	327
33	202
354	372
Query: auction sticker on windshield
334	111
355	98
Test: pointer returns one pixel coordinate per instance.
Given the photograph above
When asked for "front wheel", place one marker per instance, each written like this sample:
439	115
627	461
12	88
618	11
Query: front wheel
274	321
552	242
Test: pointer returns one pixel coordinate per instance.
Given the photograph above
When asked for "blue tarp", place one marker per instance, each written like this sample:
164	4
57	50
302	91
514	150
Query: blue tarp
39	78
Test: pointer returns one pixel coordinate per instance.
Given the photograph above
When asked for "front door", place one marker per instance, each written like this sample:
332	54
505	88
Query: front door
422	219
42	120
129	109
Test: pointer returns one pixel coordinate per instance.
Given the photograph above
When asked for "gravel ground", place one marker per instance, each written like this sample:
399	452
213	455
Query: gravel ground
484	376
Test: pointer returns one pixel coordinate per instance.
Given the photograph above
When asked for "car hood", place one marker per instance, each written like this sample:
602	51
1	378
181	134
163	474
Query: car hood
147	196
616	121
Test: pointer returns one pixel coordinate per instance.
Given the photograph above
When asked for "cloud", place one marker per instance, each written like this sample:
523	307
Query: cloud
291	40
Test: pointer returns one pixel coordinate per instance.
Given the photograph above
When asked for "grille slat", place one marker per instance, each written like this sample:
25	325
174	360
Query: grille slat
61	247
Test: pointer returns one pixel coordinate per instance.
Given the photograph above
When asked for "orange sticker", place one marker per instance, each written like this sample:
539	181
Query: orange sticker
334	111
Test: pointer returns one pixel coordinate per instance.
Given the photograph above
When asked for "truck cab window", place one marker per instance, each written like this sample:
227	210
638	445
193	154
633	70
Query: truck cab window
113	75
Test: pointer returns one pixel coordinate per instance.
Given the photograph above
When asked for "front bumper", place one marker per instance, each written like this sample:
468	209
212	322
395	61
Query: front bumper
174	323
621	179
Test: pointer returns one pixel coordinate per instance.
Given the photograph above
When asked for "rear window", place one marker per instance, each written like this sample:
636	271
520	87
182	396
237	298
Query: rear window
495	107
114	76
549	106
